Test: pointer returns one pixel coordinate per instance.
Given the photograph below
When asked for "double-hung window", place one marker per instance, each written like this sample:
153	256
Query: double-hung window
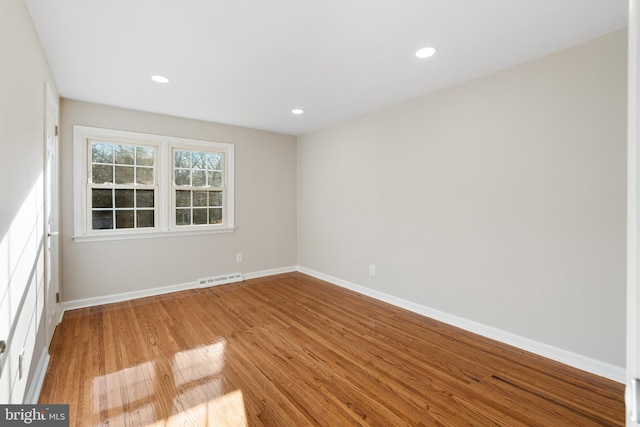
122	187
198	187
130	185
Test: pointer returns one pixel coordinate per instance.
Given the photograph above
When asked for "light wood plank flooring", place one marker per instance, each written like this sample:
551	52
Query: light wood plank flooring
291	350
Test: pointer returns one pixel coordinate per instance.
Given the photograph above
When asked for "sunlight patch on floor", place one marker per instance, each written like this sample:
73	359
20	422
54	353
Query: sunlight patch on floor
198	363
134	384
227	410
187	389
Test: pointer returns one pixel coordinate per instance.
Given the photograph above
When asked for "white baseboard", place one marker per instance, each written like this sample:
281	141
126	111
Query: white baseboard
272	272
33	394
587	364
127	296
593	366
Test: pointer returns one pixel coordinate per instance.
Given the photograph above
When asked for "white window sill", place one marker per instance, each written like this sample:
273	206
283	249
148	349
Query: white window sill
149	234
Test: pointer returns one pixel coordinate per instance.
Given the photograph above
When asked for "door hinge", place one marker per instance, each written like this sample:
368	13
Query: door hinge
56	130
57	296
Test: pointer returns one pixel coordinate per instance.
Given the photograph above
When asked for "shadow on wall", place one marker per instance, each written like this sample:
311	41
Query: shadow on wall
21	294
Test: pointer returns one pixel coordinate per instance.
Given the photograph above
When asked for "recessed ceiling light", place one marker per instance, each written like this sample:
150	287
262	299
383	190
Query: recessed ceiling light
160	79
425	52
297	111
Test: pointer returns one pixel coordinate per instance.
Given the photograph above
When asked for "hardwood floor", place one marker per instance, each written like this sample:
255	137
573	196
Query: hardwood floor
291	350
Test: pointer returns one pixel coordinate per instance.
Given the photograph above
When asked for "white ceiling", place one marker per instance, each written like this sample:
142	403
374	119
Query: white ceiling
249	62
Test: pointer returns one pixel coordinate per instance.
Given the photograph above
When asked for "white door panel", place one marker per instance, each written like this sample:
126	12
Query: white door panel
51	216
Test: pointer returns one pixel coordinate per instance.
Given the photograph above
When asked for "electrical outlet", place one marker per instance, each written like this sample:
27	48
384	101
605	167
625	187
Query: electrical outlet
238	257
372	270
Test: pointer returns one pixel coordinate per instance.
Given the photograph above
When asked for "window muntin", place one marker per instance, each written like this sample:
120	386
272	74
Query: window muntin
134	185
121	185
198	187
198	207
122	164
131	208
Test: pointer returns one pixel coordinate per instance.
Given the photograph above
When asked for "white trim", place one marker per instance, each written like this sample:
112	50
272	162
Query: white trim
127	296
33	394
164	210
575	360
271	272
632	397
143	234
227	151
51	220
593	366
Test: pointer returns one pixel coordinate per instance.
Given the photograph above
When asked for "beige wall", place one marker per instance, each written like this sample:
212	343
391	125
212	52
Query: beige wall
501	200
265	207
23	73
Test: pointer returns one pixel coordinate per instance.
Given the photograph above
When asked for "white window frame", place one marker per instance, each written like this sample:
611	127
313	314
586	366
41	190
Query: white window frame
165	199
204	148
90	186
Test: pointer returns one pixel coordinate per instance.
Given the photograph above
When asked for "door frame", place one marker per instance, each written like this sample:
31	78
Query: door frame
51	214
632	394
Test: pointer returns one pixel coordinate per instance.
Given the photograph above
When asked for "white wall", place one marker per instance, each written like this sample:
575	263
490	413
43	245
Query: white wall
632	393
265	211
501	200
23	73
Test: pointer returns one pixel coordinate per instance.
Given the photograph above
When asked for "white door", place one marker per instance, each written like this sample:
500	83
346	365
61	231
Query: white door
51	277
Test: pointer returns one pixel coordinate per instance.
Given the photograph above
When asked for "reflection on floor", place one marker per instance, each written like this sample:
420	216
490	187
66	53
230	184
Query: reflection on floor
290	350
194	373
